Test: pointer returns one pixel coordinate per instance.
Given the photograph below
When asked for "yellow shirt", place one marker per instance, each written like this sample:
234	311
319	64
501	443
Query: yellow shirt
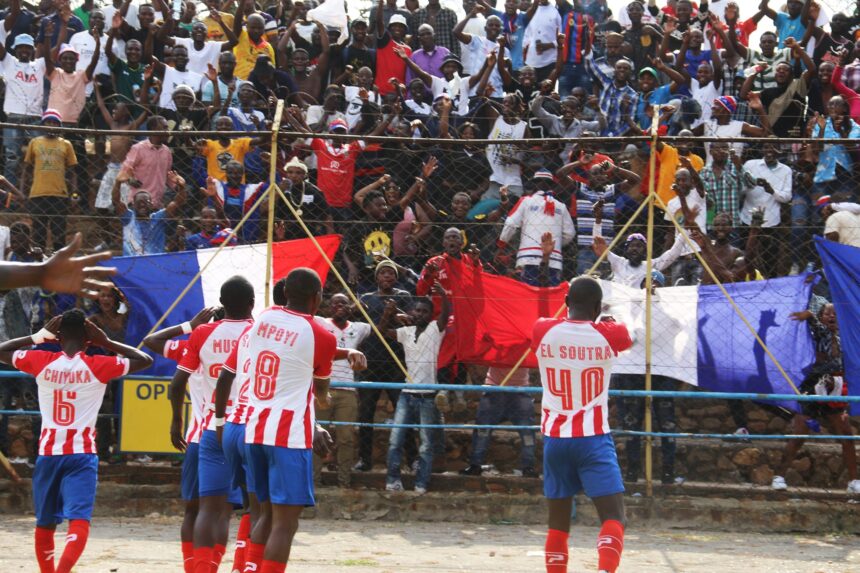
217	156
213	28
669	164
246	53
50	158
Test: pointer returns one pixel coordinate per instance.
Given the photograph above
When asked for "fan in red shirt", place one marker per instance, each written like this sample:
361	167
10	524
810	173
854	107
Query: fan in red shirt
388	64
336	166
442	267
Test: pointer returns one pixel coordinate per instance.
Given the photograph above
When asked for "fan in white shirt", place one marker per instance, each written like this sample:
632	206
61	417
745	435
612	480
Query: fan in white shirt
773	187
200	52
173	77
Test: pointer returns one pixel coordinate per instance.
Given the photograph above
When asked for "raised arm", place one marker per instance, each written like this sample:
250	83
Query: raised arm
420	73
158	339
767	10
445	310
736	45
91	69
137	360
461	25
380	19
46	48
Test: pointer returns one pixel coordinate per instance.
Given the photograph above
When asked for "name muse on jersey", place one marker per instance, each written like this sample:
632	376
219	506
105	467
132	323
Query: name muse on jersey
577	352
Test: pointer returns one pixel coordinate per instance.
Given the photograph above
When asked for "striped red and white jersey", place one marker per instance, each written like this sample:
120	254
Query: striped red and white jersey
173	350
575	360
208	347
287	350
71	390
240	364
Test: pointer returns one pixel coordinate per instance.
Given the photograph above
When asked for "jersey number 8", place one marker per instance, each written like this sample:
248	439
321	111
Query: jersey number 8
266	374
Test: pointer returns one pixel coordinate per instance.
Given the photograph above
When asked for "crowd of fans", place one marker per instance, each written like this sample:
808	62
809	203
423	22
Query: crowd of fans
419	196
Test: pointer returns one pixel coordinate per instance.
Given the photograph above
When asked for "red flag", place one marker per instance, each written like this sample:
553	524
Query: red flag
495	315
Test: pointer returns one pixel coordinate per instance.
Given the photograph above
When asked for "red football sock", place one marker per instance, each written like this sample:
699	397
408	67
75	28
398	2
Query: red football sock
555	551
76	540
203	557
241	542
188	556
610	543
217	555
274	567
45	549
254	557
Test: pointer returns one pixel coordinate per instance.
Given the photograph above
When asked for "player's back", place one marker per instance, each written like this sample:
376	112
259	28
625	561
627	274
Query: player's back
71	390
208	348
575	360
286	351
241	385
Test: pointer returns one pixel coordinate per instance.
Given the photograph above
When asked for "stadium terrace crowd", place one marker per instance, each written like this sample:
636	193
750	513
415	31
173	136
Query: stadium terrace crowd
423	82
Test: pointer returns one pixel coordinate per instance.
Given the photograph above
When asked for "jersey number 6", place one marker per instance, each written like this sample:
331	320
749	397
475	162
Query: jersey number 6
64	412
266	374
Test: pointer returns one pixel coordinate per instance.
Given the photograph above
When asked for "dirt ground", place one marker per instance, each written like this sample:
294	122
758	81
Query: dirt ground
148	545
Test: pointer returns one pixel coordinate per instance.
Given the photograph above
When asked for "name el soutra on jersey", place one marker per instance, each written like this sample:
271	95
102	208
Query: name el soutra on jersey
575	360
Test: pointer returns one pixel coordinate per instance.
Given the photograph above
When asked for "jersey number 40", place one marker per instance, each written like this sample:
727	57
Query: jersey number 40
559	383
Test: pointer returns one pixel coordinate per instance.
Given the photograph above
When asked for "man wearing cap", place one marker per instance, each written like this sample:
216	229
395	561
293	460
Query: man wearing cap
442	20
306	198
25	82
388	64
651	93
721	124
533	216
430	56
48	165
68	85
388	9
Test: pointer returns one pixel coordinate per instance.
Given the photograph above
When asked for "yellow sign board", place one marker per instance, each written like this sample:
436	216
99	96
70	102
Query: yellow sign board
145	417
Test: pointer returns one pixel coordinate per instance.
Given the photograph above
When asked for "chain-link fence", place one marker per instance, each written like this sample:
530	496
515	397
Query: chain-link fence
539	211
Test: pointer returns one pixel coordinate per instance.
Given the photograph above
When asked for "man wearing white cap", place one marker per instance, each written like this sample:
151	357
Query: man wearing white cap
388	64
68	85
25	88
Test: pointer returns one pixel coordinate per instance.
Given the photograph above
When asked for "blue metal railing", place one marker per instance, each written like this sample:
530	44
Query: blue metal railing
696	395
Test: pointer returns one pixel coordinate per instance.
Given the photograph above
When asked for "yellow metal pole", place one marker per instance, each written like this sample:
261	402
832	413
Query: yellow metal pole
344	284
649	253
273	168
196	277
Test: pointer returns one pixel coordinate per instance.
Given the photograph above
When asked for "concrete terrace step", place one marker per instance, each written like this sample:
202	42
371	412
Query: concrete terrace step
693	506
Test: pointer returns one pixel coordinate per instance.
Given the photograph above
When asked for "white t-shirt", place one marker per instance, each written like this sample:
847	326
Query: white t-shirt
5	245
705	96
198	60
174	78
847	224
25	85
673	211
457	89
421	354
505	173
544	27
732	130
479	50
474	27
85	45
779	178
355	103
351	336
